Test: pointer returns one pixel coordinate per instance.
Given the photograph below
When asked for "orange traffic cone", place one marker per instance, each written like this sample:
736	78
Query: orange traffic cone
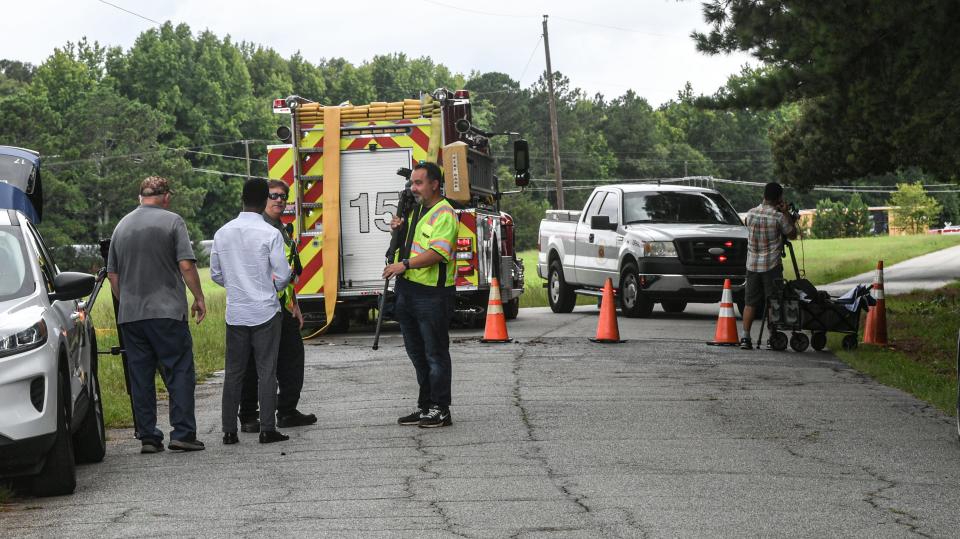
607	330
876	330
726	334
496	327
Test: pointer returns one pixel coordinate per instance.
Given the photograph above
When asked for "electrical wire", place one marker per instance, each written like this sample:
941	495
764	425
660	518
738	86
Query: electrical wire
158	23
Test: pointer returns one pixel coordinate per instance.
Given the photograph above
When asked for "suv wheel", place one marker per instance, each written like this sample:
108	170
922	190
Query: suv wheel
561	295
58	476
632	302
90	441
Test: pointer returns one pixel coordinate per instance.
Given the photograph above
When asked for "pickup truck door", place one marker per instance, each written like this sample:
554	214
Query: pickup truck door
585	245
608	244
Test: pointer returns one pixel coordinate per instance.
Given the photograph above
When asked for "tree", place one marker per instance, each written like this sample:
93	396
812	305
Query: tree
829	220
913	209
876	81
858	218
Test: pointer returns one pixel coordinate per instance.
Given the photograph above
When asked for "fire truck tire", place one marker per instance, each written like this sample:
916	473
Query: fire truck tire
512	308
340	324
561	296
674	306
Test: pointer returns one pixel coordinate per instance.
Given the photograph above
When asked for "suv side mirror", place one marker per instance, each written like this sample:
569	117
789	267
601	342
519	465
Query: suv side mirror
69	285
521	162
602	222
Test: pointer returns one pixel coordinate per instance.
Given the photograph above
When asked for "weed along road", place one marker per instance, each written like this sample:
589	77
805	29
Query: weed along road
553	435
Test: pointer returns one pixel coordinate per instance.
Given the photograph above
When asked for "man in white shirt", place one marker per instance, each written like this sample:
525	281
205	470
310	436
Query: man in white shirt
248	260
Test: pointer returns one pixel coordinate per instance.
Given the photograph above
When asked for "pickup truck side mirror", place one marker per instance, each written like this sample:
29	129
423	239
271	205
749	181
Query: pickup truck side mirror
602	222
521	162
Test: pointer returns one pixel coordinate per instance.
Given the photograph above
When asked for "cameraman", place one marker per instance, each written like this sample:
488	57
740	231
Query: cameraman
767	225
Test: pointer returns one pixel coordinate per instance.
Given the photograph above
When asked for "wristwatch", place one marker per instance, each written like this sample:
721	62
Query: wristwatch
406	263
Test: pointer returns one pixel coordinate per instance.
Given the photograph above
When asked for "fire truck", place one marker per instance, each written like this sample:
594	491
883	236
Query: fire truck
342	164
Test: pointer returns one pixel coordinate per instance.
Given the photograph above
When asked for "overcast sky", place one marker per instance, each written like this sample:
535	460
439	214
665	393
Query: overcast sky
602	46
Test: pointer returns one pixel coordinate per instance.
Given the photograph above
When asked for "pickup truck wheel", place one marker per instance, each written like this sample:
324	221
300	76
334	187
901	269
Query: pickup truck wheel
511	309
58	476
674	306
561	296
90	441
632	302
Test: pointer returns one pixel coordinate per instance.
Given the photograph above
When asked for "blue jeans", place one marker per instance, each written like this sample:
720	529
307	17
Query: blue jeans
167	344
424	315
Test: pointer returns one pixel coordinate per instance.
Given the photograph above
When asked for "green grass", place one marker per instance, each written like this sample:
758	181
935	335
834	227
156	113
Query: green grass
921	358
826	260
208	349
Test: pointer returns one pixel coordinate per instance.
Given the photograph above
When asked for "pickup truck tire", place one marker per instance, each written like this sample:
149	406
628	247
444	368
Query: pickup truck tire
58	476
511	309
561	296
674	306
632	302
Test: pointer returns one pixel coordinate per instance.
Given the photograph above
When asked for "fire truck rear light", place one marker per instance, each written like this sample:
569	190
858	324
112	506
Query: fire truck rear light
462	94
465	256
728	244
722	258
464	244
279	103
465	270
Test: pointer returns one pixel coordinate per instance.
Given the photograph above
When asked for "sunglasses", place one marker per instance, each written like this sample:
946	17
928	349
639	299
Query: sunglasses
277	196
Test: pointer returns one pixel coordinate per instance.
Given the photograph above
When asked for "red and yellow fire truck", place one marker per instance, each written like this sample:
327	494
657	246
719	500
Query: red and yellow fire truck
342	163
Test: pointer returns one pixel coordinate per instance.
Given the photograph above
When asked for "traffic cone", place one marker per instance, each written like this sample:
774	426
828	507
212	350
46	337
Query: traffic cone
876	330
607	330
726	334
496	326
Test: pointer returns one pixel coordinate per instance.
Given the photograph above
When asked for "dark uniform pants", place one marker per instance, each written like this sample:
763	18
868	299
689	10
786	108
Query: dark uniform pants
424	315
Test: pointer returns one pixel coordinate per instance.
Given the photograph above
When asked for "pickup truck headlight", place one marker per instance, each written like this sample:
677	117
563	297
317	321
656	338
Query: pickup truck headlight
21	341
659	249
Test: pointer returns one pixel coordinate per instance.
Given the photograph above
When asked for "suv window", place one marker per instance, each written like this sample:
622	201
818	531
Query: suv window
15	276
47	267
594	206
611	208
679	207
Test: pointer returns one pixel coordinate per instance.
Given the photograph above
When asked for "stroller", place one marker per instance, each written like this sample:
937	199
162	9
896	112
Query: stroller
797	306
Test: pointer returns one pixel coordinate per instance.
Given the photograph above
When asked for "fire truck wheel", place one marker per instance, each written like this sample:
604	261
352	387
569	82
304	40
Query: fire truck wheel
511	308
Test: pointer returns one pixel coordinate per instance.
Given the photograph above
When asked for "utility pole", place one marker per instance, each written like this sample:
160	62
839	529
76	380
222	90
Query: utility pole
246	149
553	119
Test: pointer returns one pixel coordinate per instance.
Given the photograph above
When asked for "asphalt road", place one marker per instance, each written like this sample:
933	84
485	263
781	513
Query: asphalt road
553	435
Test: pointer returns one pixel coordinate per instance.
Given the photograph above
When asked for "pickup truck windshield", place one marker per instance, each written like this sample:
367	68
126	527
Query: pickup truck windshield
678	207
15	278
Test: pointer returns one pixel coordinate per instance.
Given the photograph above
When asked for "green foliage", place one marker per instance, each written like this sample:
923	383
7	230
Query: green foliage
876	82
834	219
913	209
527	211
830	220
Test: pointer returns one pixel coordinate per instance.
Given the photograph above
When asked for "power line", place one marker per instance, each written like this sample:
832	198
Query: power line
534	51
158	23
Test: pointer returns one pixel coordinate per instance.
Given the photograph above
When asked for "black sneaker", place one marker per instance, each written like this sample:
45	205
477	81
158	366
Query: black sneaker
151	446
271	436
746	344
435	417
295	419
190	443
412	419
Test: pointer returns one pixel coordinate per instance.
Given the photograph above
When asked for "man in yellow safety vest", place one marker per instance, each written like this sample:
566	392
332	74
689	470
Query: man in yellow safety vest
425	269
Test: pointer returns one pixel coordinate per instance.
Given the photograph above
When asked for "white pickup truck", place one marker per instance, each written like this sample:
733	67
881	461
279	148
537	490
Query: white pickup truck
666	244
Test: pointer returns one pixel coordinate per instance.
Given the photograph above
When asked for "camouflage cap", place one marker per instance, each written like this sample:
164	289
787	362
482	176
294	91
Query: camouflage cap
155	186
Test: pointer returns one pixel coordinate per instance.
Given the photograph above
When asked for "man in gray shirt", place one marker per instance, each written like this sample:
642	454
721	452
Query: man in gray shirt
150	260
248	260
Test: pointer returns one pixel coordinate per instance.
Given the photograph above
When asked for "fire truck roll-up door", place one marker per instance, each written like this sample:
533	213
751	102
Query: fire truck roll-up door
369	193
